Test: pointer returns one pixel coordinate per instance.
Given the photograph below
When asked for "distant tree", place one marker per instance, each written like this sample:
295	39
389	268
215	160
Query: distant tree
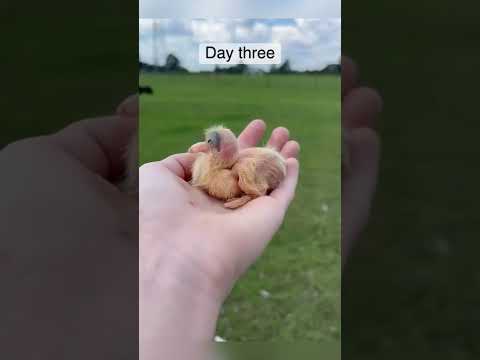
285	68
172	63
145	66
273	69
332	69
237	69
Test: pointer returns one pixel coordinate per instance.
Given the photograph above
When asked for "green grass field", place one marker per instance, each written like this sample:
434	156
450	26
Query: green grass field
301	267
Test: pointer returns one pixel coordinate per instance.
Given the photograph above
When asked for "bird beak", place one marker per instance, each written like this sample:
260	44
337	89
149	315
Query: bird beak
213	140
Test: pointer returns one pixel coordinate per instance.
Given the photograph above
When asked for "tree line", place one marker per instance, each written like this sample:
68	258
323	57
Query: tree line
173	65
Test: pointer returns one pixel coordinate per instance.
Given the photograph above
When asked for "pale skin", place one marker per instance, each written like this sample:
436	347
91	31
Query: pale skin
209	257
185	273
210	261
360	107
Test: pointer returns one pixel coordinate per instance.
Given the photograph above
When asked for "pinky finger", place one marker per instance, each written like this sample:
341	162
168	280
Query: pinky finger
286	191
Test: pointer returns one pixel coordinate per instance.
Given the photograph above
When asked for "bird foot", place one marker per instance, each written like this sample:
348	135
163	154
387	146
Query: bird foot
237	202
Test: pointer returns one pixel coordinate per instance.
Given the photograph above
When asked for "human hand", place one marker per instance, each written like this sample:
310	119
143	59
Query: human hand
192	246
68	248
360	107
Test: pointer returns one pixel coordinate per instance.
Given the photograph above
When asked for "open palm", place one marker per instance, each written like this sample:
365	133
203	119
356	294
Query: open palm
221	243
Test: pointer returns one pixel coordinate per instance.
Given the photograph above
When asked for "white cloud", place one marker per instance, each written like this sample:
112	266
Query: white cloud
259	31
309	44
211	31
240	8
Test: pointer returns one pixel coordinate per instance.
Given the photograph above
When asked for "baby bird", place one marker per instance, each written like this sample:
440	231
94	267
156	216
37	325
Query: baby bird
232	175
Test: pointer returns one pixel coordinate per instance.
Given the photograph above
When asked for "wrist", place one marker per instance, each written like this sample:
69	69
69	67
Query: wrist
178	302
183	259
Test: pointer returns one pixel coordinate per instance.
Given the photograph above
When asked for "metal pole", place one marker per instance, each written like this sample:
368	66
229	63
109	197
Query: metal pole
155	39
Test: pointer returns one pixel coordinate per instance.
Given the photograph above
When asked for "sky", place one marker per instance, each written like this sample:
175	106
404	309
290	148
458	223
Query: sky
240	8
309	44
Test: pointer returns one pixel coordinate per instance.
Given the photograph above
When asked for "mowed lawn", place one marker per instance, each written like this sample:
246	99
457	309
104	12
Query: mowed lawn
299	274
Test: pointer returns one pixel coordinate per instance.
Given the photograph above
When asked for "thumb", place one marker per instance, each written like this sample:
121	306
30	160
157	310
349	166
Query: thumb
99	144
180	164
129	107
